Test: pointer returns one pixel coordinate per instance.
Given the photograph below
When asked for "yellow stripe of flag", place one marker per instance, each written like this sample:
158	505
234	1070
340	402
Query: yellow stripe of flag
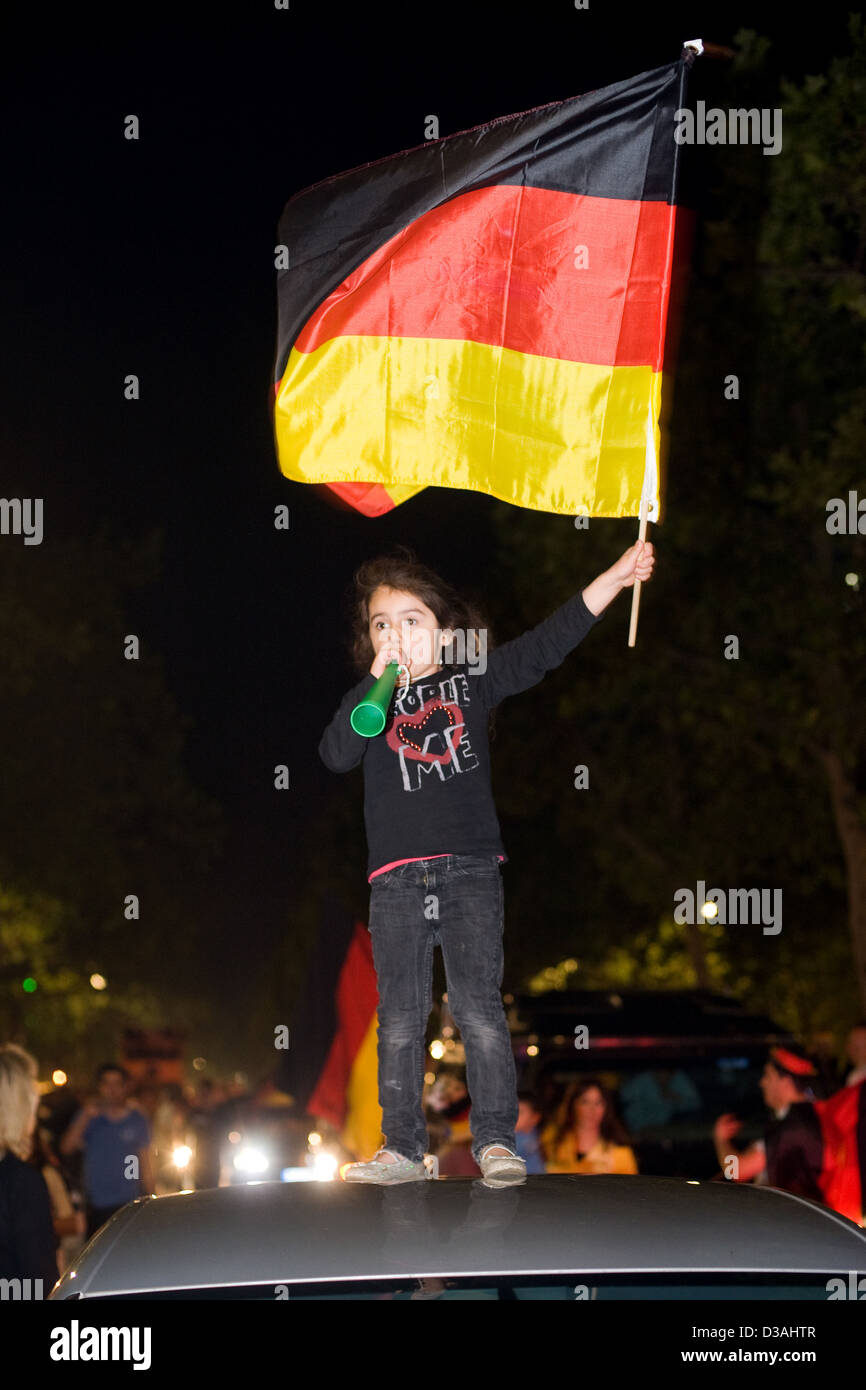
362	1128
538	432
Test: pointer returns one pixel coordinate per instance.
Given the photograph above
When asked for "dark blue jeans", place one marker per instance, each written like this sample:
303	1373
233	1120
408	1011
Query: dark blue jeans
455	902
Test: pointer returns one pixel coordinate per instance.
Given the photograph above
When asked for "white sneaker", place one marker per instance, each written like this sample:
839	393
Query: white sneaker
501	1170
401	1170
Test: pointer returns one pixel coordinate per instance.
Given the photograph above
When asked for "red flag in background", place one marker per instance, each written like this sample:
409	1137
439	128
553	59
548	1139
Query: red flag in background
331	1068
843	1125
346	1093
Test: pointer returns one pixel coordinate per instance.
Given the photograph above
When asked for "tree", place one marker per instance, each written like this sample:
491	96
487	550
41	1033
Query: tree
96	803
743	770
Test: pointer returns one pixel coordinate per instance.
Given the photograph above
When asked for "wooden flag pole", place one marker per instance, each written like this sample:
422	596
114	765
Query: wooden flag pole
691	49
635	593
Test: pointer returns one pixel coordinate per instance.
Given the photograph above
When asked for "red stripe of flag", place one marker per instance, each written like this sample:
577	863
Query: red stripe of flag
498	266
370	499
357	1000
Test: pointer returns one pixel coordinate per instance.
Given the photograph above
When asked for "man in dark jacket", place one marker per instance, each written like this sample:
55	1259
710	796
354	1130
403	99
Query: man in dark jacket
791	1153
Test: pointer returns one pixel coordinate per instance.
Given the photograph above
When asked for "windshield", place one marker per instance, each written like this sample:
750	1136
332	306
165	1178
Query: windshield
570	1288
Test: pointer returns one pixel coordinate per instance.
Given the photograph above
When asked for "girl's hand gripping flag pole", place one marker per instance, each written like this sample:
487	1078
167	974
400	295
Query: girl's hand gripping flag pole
634	566
639	574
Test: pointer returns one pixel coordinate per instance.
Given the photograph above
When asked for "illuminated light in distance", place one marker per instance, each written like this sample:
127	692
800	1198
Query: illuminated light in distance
325	1167
251	1160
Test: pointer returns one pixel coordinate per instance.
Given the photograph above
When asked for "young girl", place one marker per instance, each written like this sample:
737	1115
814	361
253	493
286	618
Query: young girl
433	838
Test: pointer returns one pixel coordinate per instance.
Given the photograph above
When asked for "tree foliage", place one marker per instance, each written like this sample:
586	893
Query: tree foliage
703	767
97	804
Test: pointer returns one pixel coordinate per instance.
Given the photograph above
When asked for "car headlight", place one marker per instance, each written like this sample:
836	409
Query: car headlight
324	1166
251	1160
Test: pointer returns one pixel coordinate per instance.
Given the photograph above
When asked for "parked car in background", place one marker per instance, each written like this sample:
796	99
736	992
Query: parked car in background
268	1142
675	1061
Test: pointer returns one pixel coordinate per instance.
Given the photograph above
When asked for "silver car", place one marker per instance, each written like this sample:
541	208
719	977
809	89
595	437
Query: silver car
556	1236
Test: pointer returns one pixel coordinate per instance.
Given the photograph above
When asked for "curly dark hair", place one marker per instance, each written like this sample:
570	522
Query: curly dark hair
401	569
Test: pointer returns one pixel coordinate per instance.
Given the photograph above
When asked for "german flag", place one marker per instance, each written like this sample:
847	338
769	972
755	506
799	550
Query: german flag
843	1127
488	310
331	1068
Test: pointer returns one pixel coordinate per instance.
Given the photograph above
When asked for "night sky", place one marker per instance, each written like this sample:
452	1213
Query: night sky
156	257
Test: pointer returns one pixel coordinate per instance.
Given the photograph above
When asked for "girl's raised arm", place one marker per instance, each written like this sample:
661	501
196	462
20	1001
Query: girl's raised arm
523	662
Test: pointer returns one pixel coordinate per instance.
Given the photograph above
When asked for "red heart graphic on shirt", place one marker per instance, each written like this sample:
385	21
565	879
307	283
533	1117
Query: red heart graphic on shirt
407	732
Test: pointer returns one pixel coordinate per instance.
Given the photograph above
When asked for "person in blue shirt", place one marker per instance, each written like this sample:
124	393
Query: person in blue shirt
526	1132
115	1136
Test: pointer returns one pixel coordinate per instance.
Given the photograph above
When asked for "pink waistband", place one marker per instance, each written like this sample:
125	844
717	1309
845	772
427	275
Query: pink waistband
416	860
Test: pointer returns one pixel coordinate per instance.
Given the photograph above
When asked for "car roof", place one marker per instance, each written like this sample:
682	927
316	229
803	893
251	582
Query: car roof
264	1233
646	1017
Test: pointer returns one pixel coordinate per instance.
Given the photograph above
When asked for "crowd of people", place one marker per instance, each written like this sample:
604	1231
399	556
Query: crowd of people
583	1135
66	1166
584	1132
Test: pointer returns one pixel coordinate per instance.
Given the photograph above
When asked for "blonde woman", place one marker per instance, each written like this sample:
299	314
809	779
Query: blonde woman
586	1136
28	1244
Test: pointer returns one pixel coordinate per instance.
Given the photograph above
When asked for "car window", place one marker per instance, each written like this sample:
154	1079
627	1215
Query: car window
571	1288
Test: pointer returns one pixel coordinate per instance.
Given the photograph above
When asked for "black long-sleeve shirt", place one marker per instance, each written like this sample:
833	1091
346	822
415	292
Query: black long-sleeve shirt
27	1243
795	1151
427	784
